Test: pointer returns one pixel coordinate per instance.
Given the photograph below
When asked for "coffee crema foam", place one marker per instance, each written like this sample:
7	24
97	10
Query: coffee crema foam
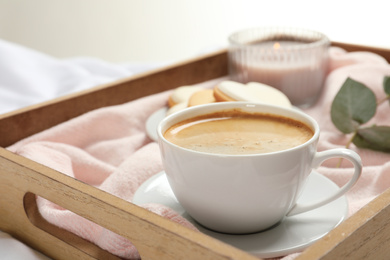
237	132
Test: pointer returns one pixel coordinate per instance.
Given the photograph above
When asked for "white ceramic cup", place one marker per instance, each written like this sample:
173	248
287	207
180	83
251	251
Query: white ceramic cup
245	193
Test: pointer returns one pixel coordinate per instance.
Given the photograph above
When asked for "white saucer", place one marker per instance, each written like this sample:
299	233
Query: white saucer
153	121
292	235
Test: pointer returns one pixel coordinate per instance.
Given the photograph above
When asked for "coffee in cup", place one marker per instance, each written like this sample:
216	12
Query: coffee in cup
238	132
239	191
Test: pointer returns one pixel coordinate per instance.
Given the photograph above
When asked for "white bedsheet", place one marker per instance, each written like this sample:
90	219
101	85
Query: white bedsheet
29	77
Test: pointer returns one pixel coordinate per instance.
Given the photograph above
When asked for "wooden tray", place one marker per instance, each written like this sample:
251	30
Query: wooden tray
364	235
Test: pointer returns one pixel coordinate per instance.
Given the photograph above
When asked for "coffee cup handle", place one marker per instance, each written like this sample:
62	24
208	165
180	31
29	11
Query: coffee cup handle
319	158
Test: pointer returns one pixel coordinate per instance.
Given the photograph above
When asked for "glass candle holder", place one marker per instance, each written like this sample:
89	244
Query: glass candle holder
293	60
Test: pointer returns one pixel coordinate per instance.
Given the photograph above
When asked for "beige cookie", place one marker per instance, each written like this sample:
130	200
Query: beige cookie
253	91
220	95
201	97
177	107
182	94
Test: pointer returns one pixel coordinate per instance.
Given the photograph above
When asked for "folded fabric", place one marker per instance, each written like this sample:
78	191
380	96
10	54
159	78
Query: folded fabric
108	148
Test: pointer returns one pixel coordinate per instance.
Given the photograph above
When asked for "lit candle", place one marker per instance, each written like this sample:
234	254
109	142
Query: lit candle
294	64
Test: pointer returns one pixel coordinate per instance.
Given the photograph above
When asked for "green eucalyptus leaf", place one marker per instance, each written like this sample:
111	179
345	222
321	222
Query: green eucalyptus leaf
374	138
386	85
352	106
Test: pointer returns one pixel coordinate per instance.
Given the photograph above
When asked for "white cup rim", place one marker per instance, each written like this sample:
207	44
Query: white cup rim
186	113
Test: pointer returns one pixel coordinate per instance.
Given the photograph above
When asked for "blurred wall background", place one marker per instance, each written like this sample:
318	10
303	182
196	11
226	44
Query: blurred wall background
169	30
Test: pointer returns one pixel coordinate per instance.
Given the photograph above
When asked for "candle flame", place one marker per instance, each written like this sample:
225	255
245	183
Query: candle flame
276	45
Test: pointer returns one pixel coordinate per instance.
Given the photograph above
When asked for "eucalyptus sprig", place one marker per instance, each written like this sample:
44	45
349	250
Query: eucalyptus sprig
353	106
